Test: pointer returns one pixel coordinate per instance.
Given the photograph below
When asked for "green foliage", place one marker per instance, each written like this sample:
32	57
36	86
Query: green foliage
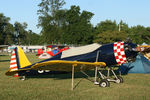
78	29
111	36
20	33
6	30
32	38
108	32
140	34
69	26
16	34
123	27
50	7
9	30
106	25
51	19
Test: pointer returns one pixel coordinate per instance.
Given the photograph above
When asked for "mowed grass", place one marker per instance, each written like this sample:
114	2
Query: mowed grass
58	86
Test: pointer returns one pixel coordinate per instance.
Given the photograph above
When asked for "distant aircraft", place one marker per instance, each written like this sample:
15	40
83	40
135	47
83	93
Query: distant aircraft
52	50
80	59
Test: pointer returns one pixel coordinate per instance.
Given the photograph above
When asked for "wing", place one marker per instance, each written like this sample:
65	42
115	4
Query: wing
61	65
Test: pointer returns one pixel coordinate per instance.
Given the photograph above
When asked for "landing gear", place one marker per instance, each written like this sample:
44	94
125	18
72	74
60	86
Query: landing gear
119	79
22	78
104	83
105	80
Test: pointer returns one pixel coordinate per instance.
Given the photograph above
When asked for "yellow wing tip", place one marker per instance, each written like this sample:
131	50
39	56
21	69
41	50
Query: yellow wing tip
100	63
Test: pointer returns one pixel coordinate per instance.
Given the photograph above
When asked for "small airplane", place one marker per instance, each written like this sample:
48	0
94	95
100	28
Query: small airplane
52	50
82	58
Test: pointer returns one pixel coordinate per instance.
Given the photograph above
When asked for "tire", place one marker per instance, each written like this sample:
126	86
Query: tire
40	71
120	79
23	78
104	83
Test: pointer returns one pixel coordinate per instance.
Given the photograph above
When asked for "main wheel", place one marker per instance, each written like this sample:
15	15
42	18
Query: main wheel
119	80
104	83
40	71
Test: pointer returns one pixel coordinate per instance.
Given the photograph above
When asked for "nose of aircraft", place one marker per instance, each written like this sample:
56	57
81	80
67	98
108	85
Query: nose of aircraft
131	51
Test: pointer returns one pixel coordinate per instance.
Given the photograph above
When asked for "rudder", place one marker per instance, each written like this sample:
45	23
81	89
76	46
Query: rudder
18	60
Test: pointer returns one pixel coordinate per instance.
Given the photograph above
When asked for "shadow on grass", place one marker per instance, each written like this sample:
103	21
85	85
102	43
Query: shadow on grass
60	75
66	75
3	55
4	60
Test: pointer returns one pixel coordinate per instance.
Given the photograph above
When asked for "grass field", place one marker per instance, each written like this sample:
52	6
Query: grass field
58	86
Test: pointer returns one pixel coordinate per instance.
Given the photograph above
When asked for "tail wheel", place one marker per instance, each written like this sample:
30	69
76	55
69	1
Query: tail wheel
104	83
119	80
22	78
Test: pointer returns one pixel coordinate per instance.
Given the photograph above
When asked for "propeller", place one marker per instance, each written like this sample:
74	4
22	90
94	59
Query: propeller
143	49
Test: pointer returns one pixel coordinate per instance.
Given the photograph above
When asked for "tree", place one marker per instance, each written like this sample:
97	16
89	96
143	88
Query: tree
139	34
65	26
110	36
9	30
6	30
20	33
109	31
33	38
50	7
49	21
106	25
147	35
78	29
122	26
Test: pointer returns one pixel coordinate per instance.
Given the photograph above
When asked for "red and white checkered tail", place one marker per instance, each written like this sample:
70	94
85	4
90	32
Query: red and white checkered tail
13	63
119	52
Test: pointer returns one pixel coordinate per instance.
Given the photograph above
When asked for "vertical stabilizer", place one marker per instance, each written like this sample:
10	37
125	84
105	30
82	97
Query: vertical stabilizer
18	59
22	59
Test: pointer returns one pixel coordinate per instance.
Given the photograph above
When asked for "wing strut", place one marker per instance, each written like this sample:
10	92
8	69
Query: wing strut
73	76
96	68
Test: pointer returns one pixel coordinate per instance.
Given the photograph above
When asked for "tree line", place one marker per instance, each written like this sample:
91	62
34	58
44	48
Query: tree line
69	26
16	33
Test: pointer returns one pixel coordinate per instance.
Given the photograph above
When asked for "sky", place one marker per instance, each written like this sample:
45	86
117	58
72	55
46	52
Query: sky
132	12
